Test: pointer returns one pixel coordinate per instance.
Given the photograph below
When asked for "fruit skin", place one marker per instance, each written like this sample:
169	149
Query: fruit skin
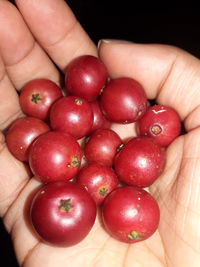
140	162
55	156
85	76
22	133
130	214
62	213
99	120
72	115
37	96
160	122
98	179
102	146
123	100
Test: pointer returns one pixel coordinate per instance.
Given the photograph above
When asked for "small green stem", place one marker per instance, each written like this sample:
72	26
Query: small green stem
65	205
133	235
75	162
78	101
36	98
103	191
120	147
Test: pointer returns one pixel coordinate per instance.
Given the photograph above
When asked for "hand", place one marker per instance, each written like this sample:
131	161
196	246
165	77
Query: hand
168	74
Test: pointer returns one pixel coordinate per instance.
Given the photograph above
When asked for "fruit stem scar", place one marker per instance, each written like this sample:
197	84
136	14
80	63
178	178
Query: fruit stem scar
120	147
102	89
65	205
78	101
133	235
36	98
75	162
103	191
156	129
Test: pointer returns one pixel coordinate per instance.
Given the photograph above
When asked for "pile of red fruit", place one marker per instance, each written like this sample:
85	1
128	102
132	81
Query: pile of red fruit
79	173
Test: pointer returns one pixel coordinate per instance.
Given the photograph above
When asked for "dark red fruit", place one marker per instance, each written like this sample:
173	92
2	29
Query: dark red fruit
102	146
37	96
123	100
98	179
99	120
72	115
63	213
85	76
130	214
140	162
21	135
160	122
55	156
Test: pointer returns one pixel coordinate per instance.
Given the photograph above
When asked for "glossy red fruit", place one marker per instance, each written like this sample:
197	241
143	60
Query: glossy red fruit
123	100
140	162
63	213
160	122
37	96
21	135
98	179
55	156
85	76
130	214
72	115
102	146
99	120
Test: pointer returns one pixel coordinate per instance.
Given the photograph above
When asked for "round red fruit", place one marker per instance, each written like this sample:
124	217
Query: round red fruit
72	115
63	213
123	100
22	133
140	162
160	122
102	146
55	156
99	120
130	214
85	76
98	179
37	96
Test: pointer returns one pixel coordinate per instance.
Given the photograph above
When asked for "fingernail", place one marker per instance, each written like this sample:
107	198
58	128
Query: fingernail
107	41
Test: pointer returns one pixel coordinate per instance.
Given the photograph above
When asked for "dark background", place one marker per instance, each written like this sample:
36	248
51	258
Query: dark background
112	20
173	26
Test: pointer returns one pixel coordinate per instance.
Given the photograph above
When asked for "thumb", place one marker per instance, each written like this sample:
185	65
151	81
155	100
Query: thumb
168	74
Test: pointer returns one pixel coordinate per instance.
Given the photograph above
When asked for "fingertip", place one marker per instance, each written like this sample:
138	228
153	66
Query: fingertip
147	63
13	33
112	41
166	72
104	44
57	30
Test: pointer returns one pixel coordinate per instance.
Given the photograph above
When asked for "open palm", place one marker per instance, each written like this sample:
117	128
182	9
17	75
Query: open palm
169	75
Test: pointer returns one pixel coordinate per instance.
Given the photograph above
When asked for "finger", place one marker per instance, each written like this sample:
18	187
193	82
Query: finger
177	191
24	59
9	103
13	176
57	29
168	74
17	221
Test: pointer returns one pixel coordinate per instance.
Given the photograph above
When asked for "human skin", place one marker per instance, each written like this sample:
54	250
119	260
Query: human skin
177	241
